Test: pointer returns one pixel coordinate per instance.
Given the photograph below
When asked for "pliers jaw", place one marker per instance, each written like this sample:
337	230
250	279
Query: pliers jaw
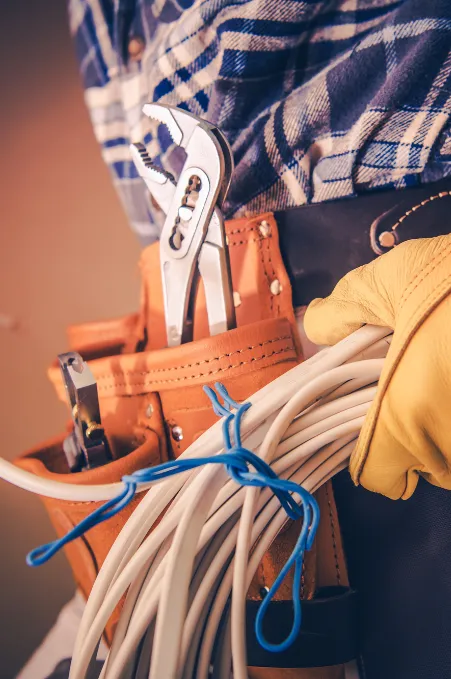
192	240
180	124
160	183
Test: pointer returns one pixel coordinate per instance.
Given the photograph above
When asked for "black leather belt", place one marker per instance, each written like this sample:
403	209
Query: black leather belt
328	634
321	243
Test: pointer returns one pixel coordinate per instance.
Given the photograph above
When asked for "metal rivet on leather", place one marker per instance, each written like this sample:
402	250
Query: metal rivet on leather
236	299
136	48
149	410
177	433
264	229
387	239
275	287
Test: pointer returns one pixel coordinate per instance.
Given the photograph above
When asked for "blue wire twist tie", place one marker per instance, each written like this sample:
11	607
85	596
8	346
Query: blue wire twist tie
237	461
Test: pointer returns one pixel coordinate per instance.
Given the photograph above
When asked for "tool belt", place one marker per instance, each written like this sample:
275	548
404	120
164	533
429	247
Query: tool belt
153	405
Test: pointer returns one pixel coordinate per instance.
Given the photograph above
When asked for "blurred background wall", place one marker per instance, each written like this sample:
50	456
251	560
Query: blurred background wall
66	256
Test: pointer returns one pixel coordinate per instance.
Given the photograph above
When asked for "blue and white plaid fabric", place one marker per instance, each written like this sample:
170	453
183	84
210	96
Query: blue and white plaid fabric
319	100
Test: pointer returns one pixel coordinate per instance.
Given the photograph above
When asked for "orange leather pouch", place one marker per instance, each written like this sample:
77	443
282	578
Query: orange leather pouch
153	407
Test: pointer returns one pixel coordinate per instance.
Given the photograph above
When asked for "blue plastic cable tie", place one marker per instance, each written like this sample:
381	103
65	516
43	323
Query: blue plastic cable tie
288	503
296	558
237	460
42	554
305	539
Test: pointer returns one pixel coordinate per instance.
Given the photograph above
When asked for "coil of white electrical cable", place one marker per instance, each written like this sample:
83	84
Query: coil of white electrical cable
179	572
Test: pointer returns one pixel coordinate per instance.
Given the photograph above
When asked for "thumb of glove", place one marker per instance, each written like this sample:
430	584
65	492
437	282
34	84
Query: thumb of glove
371	294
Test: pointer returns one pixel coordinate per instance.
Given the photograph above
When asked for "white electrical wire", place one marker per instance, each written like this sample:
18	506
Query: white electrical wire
178	571
305	423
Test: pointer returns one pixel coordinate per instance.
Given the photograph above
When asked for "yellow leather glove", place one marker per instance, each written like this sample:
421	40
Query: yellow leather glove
407	430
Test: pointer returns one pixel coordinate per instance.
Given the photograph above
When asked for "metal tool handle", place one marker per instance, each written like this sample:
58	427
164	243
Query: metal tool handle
87	446
178	263
214	268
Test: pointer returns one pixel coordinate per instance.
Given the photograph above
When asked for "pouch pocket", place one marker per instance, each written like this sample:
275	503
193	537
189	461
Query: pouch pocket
87	554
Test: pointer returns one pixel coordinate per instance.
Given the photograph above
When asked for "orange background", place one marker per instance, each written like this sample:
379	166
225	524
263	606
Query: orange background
66	256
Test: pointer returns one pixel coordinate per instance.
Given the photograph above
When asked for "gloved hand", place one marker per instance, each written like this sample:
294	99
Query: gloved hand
407	430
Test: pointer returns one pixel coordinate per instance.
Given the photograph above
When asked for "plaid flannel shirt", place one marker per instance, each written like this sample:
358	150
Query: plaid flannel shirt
319	100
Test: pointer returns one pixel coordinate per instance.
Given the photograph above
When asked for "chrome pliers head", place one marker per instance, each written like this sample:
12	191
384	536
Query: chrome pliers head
193	239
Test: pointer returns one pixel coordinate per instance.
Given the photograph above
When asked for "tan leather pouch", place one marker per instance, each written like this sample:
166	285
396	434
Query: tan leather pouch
153	407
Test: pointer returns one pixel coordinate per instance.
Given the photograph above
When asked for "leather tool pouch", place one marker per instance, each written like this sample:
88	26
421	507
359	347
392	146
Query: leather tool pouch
153	406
